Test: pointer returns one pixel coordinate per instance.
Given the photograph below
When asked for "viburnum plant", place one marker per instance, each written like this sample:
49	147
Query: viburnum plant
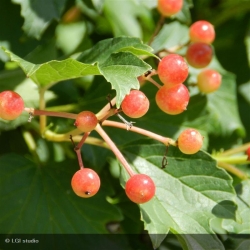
154	103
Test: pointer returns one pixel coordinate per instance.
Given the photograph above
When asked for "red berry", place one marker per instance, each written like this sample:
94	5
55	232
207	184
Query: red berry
248	154
169	7
172	70
140	188
199	55
173	100
11	105
135	104
85	182
202	31
190	141
208	80
86	121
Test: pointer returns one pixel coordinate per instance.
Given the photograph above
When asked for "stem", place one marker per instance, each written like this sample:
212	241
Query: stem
154	82
42	105
106	110
242	159
232	169
159	25
115	150
50	113
165	140
237	150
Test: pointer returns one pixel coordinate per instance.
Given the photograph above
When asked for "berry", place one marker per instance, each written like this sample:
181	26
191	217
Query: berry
172	70
86	121
199	55
169	7
208	81
85	182
140	188
172	101
248	154
11	105
190	141
135	104
202	31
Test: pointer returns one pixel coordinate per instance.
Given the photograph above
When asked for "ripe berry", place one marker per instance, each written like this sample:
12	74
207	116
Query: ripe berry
140	188
86	121
248	154
11	105
190	141
172	101
169	7
135	104
202	31
85	182
172	70
208	80
199	55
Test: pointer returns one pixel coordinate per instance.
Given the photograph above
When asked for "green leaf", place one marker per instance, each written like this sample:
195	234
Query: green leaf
36	17
39	199
103	49
121	70
51	72
243	194
190	191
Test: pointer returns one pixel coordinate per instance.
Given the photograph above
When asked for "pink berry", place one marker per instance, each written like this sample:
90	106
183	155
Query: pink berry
86	121
140	188
208	81
169	7
202	31
248	154
190	141
85	182
199	55
172	70
11	105
173	100
135	104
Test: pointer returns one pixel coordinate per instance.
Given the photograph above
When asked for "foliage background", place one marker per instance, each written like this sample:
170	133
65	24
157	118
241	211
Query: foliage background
32	176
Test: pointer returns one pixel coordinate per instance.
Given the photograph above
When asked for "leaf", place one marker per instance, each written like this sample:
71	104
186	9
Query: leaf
243	194
121	70
53	71
36	17
103	49
190	191
39	199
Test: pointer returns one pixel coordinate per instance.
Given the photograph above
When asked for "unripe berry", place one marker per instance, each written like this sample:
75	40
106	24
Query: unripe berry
135	104
199	55
11	105
208	81
190	141
85	182
172	101
202	31
140	188
172	70
86	121
169	7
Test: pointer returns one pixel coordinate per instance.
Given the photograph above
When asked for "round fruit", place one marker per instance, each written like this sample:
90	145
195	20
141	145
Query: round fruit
11	105
135	104
172	101
208	81
85	182
172	70
190	141
199	55
86	121
140	188
169	7
202	31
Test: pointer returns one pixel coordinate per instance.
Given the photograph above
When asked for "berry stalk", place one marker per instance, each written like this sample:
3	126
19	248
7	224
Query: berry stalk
115	150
